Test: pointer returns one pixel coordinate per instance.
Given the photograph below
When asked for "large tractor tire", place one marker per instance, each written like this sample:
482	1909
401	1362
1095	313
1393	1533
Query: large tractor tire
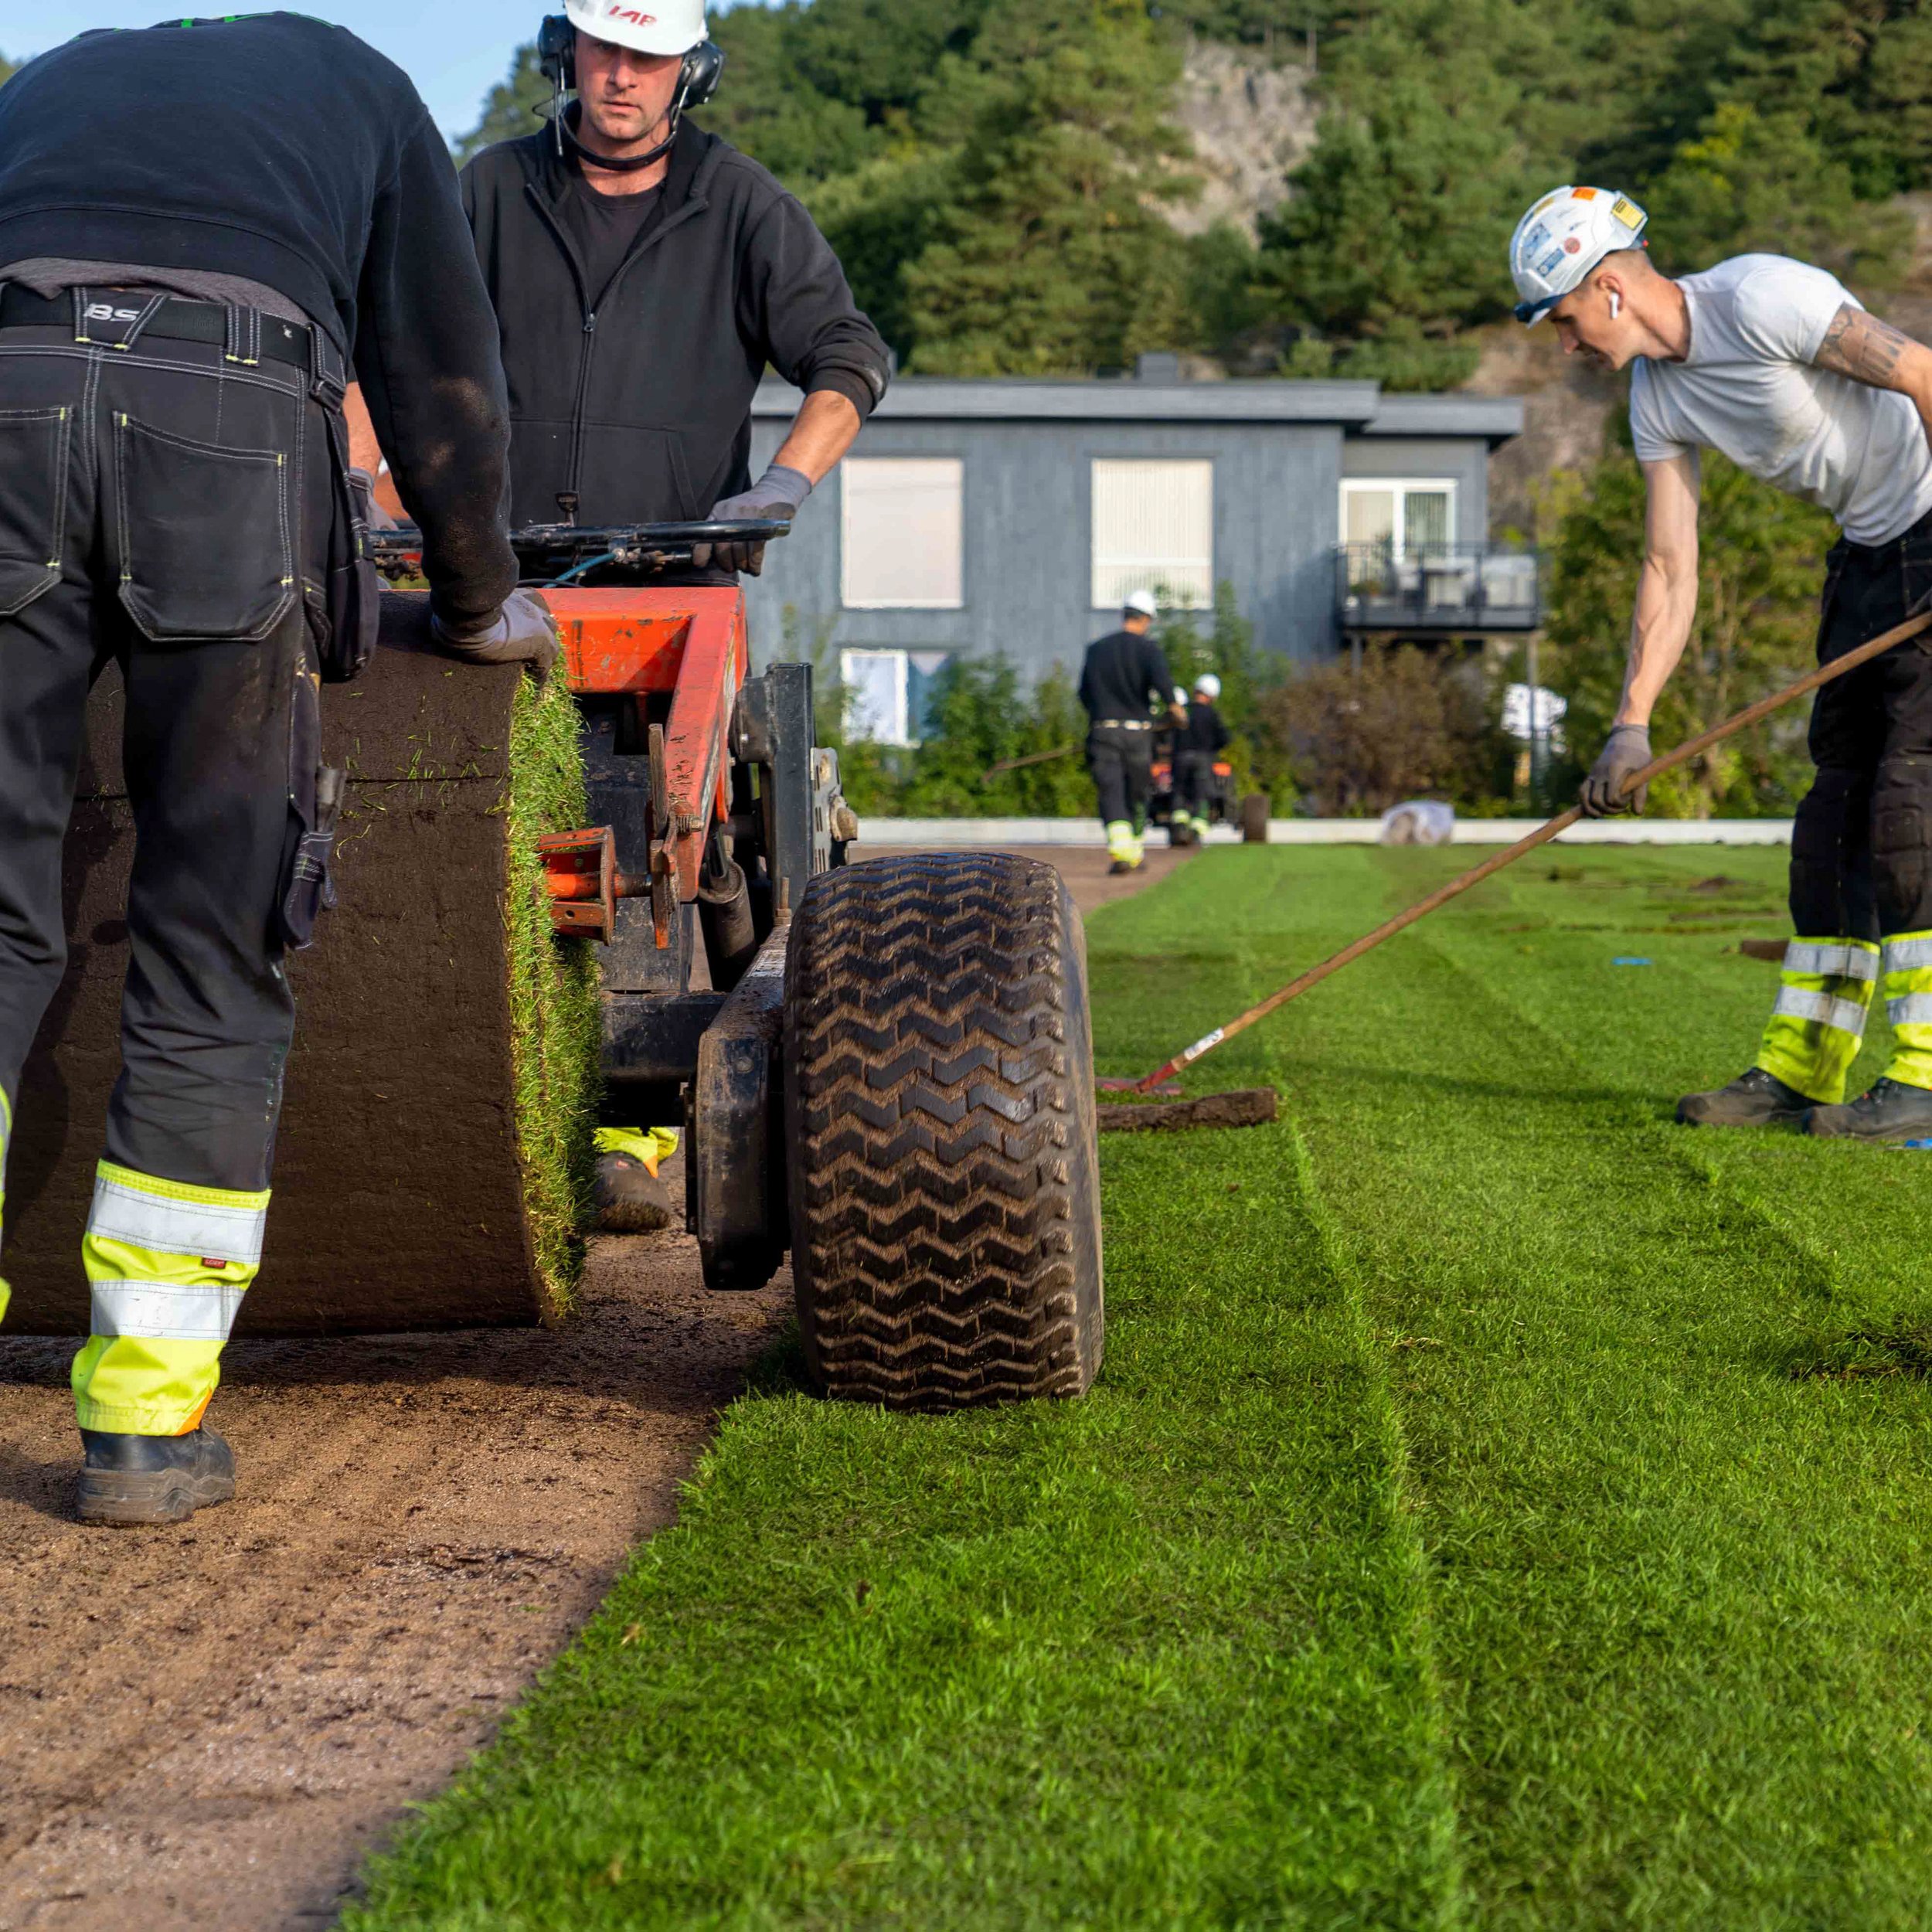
939	1131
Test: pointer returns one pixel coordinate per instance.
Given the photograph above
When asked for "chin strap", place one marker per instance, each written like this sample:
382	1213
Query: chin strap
565	122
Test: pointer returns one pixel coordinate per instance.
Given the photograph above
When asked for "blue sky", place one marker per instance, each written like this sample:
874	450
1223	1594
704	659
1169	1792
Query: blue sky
454	65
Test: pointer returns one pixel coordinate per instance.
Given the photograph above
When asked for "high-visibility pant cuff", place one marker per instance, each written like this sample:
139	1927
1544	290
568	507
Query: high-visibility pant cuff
1908	1005
6	1295
1818	1024
1120	839
113	1421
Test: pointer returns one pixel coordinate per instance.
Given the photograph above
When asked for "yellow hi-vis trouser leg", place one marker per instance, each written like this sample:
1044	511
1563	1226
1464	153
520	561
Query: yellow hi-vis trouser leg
649	1144
1121	845
169	1264
1815	1028
1908	1005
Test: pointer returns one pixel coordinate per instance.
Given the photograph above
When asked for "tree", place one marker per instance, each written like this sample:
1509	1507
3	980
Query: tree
1754	182
1759	566
1050	258
511	108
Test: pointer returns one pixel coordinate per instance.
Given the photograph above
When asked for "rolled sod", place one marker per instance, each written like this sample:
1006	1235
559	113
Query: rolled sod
433	1165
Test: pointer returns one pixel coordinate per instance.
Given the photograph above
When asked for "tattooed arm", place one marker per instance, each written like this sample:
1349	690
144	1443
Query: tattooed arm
1859	345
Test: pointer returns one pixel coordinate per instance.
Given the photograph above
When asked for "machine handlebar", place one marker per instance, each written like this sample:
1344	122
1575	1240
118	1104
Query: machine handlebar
620	552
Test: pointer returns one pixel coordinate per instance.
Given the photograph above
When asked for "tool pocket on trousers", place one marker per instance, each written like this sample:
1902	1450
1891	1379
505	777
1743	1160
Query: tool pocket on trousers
203	533
307	890
33	502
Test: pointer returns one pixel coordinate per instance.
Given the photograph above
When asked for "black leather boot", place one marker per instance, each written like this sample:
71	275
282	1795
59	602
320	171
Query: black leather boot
1892	1111
1756	1099
150	1479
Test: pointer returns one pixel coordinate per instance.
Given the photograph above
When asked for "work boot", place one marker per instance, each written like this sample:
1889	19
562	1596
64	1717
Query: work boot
631	1199
151	1479
1892	1111
1118	866
1756	1099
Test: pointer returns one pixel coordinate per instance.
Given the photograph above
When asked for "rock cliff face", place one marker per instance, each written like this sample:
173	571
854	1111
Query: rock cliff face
1250	121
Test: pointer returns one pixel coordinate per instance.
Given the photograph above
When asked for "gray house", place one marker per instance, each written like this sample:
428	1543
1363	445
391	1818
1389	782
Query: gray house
982	516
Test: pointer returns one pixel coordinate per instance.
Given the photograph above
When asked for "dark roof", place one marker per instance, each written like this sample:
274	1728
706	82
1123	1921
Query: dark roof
1359	408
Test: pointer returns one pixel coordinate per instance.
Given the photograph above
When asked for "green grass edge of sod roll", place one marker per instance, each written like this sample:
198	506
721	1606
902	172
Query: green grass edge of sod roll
555	1014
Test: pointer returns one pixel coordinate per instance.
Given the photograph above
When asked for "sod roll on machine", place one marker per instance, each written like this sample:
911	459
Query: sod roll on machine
885	1069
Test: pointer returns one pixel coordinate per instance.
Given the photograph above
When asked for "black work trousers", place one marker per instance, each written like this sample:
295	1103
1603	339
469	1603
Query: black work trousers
1121	761
168	507
1194	781
1862	845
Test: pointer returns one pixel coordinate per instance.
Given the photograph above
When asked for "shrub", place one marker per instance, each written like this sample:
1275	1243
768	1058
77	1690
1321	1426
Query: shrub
1405	724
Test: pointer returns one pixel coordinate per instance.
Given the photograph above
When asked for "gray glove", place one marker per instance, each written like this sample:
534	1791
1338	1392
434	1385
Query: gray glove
777	496
522	632
1626	750
373	514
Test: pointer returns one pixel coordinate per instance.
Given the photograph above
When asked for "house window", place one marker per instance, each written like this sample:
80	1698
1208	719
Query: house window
1388	520
888	692
1154	530
902	546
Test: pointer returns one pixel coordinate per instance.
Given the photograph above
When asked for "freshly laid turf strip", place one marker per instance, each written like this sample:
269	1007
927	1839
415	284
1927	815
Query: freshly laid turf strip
1500	1506
434	1157
1158	1657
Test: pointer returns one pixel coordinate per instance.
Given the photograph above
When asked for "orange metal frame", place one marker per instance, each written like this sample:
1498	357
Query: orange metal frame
690	642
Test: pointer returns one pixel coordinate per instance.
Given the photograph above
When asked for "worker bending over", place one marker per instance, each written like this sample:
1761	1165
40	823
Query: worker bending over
1124	684
1197	744
199	224
1775	364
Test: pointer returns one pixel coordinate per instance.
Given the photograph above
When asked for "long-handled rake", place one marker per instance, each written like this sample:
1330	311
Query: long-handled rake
1251	1106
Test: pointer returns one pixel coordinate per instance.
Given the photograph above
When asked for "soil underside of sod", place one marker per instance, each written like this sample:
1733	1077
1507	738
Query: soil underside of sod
1500	1507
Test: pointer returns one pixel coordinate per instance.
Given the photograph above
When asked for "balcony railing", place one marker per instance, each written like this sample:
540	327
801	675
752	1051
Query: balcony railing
1437	587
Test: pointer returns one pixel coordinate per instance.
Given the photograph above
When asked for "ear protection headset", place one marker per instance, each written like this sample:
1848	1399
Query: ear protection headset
556	50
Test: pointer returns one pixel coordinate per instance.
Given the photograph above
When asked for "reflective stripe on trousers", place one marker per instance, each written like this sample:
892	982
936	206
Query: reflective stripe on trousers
168	1264
1908	1005
1818	1024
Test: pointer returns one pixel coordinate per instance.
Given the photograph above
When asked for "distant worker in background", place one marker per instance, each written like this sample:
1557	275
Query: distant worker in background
1124	684
199	224
1197	744
1777	365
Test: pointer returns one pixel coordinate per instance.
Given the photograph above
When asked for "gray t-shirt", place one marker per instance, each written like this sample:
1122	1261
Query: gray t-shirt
1748	388
49	275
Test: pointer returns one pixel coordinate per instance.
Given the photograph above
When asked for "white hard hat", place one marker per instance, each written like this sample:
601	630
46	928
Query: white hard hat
1563	238
1141	604
1209	685
656	26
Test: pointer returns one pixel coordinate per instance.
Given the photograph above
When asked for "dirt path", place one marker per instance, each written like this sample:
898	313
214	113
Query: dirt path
209	1727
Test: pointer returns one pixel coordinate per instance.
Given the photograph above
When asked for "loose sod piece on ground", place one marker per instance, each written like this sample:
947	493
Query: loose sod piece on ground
435	1153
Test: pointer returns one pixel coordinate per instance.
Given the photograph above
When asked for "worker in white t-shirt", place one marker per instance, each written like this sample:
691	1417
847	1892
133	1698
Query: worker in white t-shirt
1777	365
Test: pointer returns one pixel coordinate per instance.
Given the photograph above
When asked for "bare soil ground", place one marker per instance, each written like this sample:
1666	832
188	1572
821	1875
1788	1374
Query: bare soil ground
209	1727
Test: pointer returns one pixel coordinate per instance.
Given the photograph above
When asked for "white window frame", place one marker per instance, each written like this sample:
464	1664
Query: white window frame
900	732
847	549
1401	485
1199	599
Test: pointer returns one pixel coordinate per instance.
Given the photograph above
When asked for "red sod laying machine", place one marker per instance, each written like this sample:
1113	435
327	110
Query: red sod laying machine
890	1073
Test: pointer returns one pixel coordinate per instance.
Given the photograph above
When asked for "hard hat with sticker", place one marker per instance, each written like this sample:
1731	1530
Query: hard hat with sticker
1561	240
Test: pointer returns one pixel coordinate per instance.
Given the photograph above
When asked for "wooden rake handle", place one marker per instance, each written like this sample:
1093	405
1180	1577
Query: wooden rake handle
1872	647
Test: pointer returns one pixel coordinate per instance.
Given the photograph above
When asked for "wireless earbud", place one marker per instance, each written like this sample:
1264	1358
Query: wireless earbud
1616	304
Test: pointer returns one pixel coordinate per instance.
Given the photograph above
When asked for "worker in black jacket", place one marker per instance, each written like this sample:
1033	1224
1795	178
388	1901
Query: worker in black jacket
199	224
1197	744
1124	684
645	274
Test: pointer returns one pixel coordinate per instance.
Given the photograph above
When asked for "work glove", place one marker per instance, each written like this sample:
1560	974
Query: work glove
1628	749
522	631
777	496
373	514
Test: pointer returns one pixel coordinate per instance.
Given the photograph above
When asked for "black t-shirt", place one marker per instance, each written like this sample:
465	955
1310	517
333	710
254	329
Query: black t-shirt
1204	732
1125	676
605	228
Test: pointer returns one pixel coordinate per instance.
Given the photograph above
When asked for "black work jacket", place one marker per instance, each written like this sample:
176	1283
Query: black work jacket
1204	732
1125	677
636	398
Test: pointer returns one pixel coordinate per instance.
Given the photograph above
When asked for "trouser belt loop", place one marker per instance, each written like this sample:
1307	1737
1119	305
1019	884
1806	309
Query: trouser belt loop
111	319
328	377
241	335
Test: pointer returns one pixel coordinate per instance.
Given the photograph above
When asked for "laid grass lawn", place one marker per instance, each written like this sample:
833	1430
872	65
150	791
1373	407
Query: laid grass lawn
1500	1508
